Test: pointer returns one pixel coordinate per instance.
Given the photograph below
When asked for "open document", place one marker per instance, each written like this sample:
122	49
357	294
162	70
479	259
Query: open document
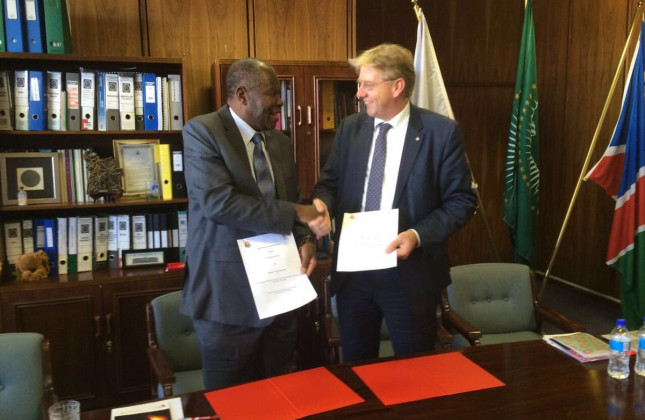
364	238
272	264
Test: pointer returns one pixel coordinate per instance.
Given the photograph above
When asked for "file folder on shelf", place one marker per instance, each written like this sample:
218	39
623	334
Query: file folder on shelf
165	171
85	243
182	222
126	101
13	26
88	88
72	90
54	102
113	245
138	102
62	245
150	102
13	240
178	177
139	234
3	44
72	244
27	235
100	242
175	101
57	32
6	107
21	91
123	236
34	26
36	101
45	239
112	116
101	116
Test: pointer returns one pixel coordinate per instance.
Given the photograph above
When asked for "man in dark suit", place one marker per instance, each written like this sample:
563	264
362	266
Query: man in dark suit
241	180
424	173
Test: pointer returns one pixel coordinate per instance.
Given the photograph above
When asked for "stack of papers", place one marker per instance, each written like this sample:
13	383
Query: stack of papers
581	346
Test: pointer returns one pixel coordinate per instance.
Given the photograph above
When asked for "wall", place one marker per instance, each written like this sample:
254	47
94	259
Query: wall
579	44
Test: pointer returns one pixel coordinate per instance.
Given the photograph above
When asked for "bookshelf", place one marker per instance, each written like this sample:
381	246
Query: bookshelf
95	320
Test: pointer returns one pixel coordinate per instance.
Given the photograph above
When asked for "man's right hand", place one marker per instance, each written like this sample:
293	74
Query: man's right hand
315	216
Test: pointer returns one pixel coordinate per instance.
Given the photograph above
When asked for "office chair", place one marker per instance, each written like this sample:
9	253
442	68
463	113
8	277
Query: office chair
330	322
26	386
493	303
173	350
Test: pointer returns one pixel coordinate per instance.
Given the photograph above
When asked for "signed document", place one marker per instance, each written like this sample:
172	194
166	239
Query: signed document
272	264
364	238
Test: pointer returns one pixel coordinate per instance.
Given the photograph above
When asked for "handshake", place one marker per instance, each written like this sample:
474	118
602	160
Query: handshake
315	216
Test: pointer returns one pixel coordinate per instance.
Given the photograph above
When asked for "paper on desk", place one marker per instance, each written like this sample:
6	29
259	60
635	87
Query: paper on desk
285	397
170	407
272	264
363	240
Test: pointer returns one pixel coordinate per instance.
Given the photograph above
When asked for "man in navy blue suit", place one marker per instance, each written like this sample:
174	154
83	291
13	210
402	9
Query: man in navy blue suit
424	173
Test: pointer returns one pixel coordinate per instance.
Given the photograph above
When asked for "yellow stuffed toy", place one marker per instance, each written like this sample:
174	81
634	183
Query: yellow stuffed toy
32	266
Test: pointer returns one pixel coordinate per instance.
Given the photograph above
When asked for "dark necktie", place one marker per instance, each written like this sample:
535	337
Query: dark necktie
377	170
261	167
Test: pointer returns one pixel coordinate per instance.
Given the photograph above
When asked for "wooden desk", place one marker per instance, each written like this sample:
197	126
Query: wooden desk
541	383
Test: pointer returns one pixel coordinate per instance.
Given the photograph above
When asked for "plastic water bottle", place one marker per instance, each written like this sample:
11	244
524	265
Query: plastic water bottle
619	345
639	366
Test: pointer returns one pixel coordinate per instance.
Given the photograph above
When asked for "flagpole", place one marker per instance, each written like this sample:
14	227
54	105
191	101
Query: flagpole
475	186
585	166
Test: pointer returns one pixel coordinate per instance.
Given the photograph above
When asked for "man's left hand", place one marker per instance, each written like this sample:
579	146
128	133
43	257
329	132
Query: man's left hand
308	257
404	244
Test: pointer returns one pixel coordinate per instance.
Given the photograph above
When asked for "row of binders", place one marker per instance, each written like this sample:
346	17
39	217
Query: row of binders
35	26
35	100
89	243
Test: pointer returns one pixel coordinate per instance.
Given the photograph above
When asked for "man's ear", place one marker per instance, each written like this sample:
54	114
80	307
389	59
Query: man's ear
241	93
399	86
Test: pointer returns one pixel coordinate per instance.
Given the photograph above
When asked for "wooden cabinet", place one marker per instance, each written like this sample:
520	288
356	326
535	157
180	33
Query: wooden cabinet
317	96
95	322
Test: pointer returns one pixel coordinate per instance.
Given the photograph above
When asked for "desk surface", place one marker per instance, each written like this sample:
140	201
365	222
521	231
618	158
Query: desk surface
541	383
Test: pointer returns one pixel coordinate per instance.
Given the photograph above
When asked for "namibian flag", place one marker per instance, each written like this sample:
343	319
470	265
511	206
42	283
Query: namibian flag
621	172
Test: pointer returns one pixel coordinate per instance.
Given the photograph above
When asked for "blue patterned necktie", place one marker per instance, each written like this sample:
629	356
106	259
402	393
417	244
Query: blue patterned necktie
377	170
261	167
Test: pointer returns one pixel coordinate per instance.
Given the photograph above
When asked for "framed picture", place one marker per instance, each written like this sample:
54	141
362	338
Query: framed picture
137	159
36	172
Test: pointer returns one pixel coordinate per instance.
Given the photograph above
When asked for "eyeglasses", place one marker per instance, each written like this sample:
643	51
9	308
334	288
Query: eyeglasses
368	86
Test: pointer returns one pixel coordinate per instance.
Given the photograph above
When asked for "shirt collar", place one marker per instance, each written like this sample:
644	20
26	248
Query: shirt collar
246	131
398	118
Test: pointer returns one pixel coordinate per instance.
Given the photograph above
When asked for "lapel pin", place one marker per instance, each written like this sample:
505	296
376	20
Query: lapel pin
417	139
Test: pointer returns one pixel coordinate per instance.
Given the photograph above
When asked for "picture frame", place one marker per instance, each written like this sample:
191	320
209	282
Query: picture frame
136	157
144	258
38	174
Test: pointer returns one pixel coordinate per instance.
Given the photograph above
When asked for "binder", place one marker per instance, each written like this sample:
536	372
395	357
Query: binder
27	229
327	106
126	101
85	243
79	182
165	171
112	116
113	247
139	234
156	231
54	108
101	117
173	230
34	26
123	236
163	108
6	108
36	101
178	177
149	230
73	101
21	91
62	177
182	222
163	230
62	245
57	32
3	48
13	240
88	87
45	239
100	242
175	102
72	244
138	101
13	26
150	102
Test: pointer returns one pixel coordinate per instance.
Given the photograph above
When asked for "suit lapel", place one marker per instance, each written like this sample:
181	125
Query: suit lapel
414	139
